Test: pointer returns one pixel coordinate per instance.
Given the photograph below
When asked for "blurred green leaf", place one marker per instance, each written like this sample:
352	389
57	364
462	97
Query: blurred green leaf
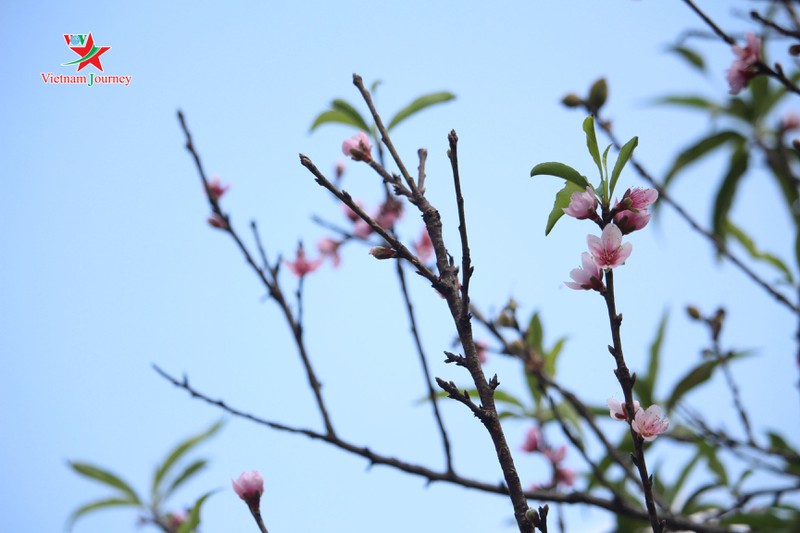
194	515
690	56
645	385
710	453
591	144
625	154
95	506
418	105
699	149
698	375
179	451
695	102
337	117
534	336
560	170
561	202
551	357
374	86
760	520
727	191
692	505
750	246
346	108
185	475
105	477
671	492
778	443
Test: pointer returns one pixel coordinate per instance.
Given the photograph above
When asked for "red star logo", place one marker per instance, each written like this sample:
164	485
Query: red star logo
90	54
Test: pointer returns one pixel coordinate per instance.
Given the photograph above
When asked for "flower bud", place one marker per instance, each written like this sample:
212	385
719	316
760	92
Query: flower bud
572	100
694	312
597	95
379	252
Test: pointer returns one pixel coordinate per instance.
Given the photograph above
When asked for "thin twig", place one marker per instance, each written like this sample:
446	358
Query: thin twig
620	507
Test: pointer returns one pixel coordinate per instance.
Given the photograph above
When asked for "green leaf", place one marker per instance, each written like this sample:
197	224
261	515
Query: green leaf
562	202
625	154
335	117
418	105
185	475
560	170
345	107
682	477
105	477
645	386
551	357
750	246
504	397
194	515
374	86
604	182
760	521
694	102
178	452
698	375
95	506
699	149
690	56
534	336
591	143
727	191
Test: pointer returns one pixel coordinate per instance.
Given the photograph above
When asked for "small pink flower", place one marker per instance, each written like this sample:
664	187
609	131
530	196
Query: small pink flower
582	204
176	519
380	252
588	277
565	476
557	455
361	229
216	189
424	245
743	68
632	209
607	250
532	440
358	147
481	347
216	221
649	424
302	266
619	411
330	248
389	213
790	121
349	213
249	486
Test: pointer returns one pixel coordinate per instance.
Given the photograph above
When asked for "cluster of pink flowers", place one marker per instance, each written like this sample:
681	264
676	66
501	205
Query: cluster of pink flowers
743	68
358	147
249	486
561	474
302	266
607	251
387	215
424	246
648	424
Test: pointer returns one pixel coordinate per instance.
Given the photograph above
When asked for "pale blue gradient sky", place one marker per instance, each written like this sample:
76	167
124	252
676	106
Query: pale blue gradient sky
108	265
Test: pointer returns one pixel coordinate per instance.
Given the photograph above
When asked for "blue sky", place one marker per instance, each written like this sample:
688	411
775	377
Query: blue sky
108	265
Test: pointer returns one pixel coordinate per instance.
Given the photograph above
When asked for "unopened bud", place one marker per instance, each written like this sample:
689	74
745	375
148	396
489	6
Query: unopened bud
516	347
597	95
694	312
379	252
572	100
796	144
794	49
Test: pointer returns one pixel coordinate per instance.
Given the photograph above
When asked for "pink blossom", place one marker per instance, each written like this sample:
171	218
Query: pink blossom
649	424
389	213
481	349
216	221
565	476
349	213
557	455
632	209
424	245
302	266
249	486
532	440
361	229
358	147
176	519
619	411
743	68
216	189
607	250
582	204
588	277
790	121
330	248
